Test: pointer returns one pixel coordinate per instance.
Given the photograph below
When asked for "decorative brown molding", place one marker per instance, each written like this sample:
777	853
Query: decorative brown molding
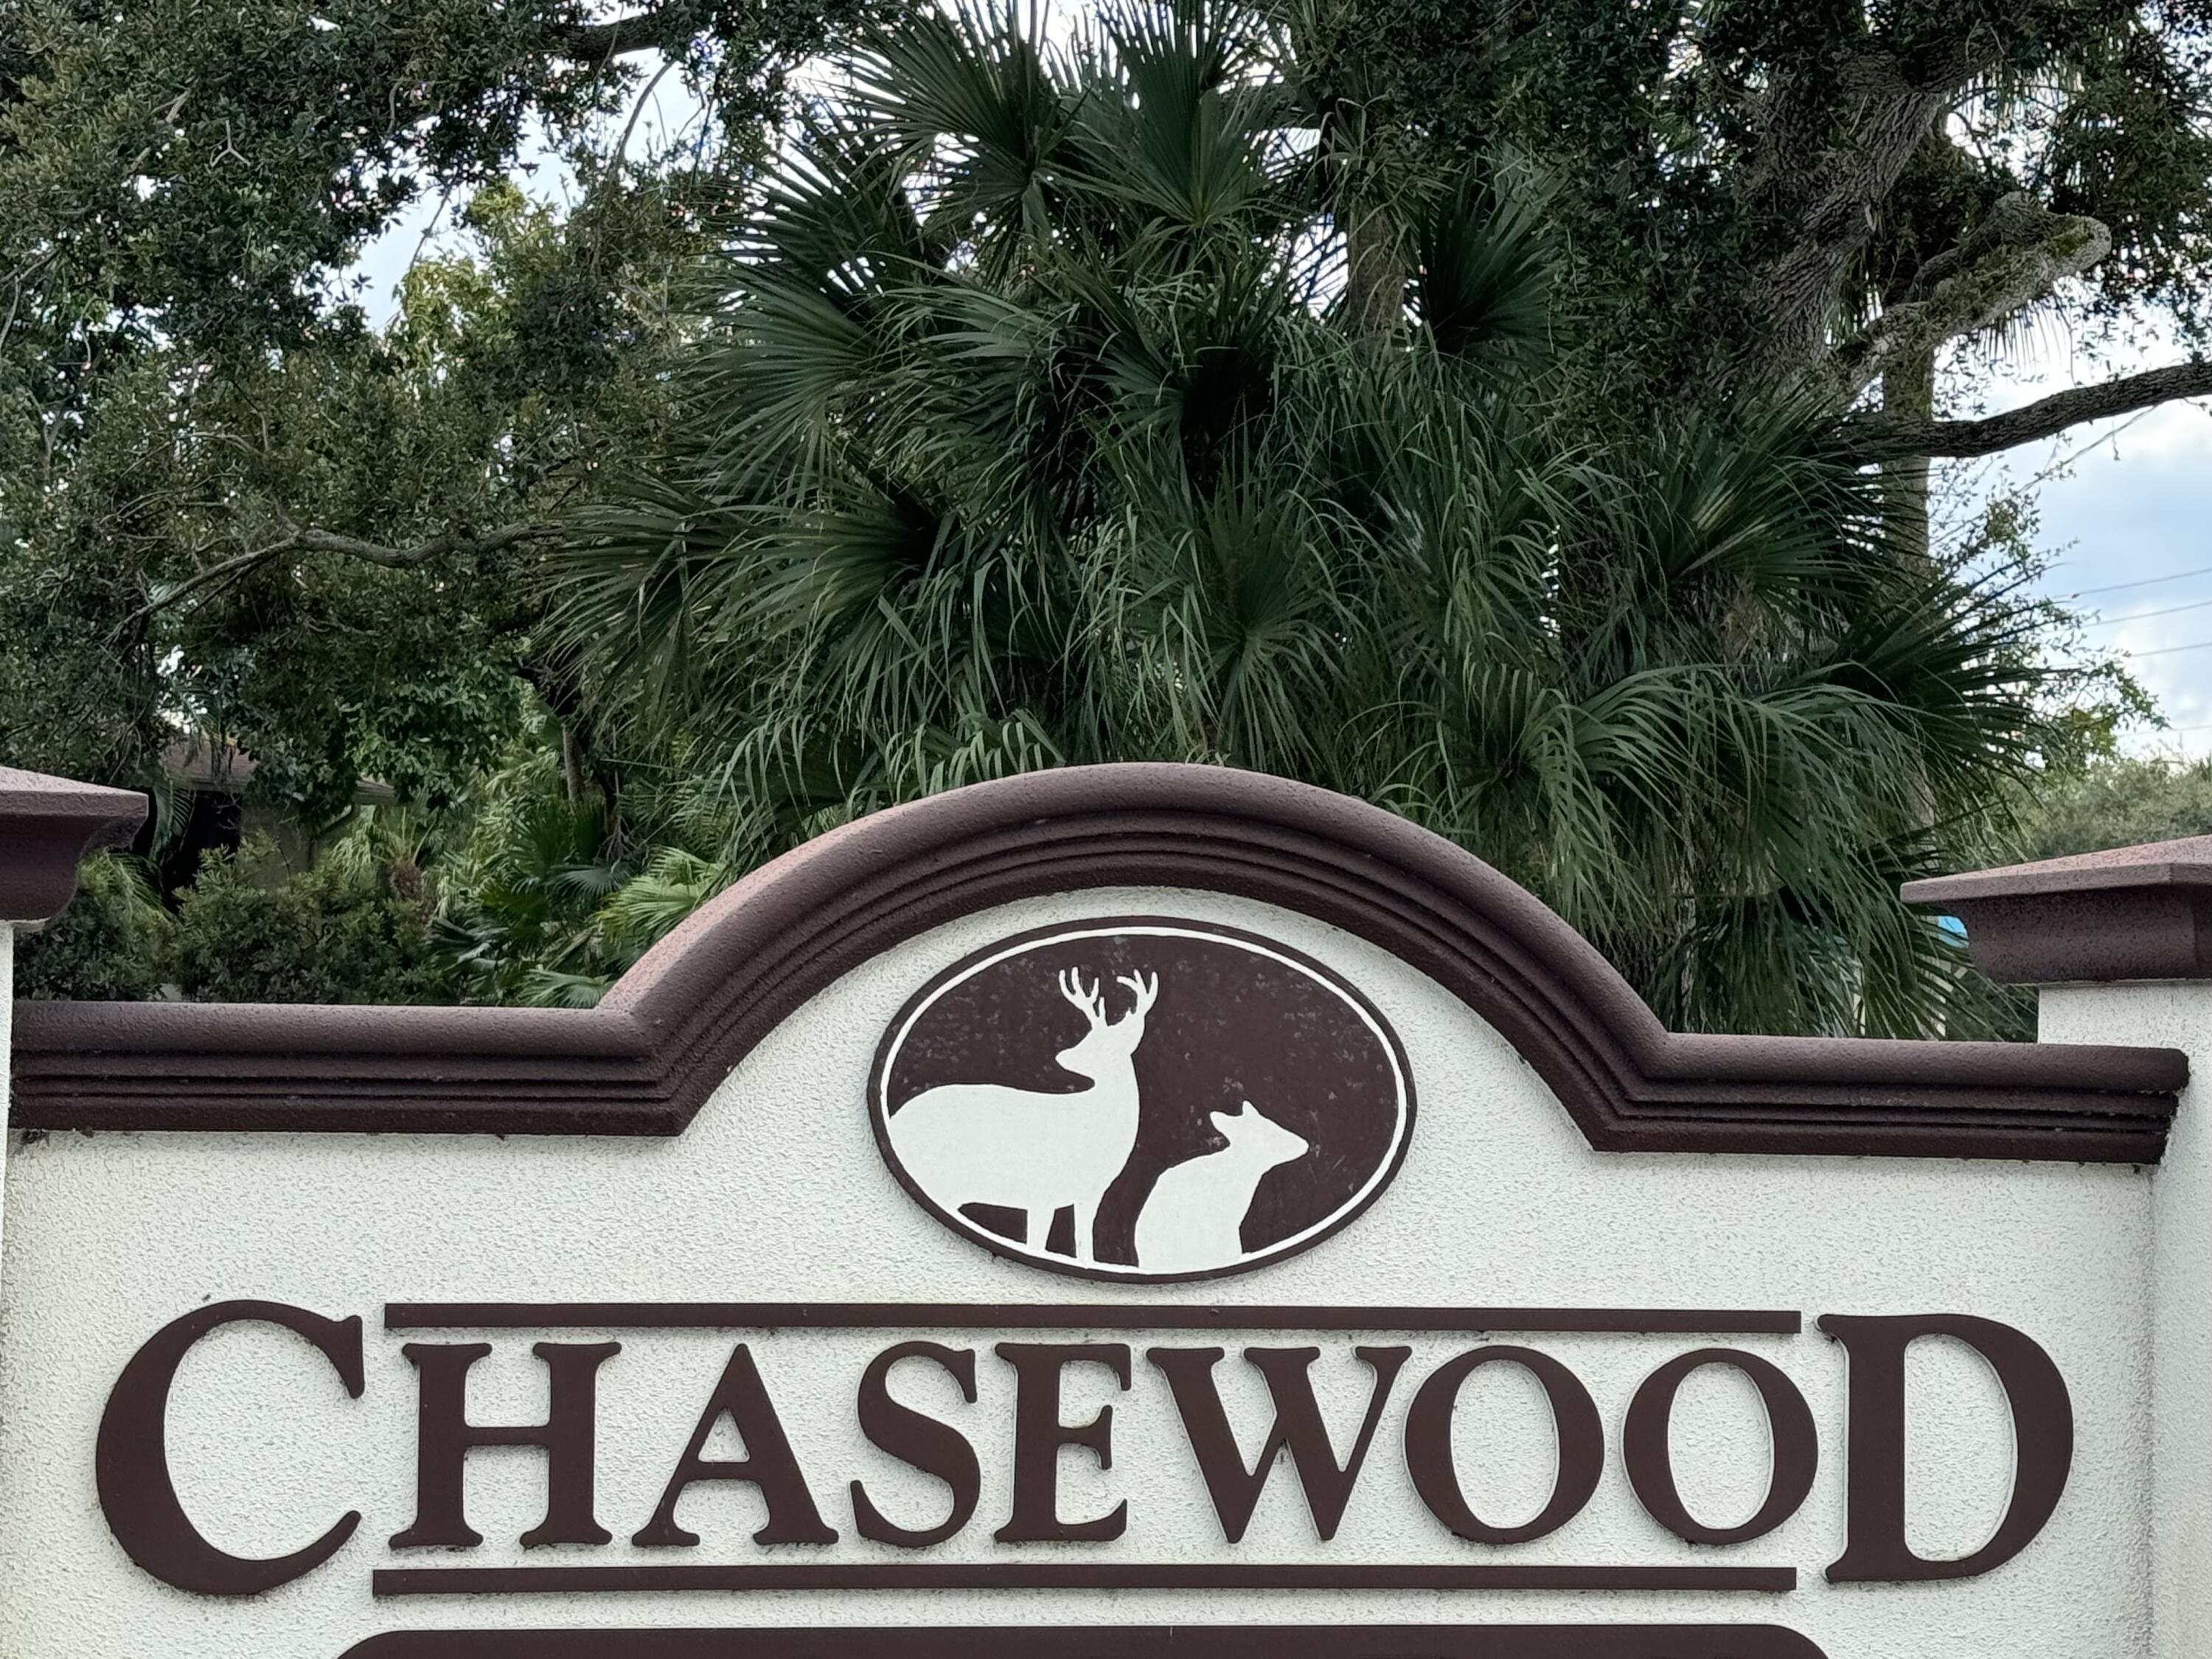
645	1060
2133	913
47	824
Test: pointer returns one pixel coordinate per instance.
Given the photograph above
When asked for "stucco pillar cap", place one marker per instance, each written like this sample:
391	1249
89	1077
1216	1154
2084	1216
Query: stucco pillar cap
2133	913
47	824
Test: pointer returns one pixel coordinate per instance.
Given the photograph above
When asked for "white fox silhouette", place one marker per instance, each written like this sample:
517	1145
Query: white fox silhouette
1194	1216
1026	1150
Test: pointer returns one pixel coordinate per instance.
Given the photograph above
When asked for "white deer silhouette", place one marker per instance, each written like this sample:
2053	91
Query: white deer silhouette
1194	1218
1029	1149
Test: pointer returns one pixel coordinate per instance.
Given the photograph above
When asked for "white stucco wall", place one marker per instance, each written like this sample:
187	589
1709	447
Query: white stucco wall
2174	1014
778	1192
7	1031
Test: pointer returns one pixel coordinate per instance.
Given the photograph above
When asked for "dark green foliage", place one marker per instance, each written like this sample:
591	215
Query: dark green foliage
2115	803
336	933
1028	436
1377	396
331	667
352	928
1691	147
115	943
183	386
525	917
547	901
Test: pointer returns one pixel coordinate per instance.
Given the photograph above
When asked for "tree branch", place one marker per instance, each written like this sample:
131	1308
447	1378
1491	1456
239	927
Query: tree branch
595	42
296	540
1877	437
2016	256
405	558
1843	185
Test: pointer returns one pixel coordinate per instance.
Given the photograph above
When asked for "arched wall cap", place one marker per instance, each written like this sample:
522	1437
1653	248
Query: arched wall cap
2134	913
47	824
645	1060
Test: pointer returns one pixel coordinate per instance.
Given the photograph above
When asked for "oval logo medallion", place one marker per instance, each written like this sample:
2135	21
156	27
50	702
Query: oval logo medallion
1143	1099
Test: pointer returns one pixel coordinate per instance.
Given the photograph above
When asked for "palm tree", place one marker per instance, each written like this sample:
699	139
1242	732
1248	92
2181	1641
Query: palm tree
1029	427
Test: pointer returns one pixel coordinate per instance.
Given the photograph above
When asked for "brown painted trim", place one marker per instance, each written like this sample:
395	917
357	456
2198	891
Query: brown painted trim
1178	1641
645	1060
1072	1316
2133	913
47	825
393	1581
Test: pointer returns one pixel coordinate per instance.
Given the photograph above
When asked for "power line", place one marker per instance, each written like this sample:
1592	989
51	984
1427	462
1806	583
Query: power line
2147	581
2168	650
2145	615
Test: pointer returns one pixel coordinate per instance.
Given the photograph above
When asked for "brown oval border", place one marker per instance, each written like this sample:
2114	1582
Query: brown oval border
645	1060
1330	976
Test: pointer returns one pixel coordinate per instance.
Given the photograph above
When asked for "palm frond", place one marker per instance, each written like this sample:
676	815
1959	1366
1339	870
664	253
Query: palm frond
1019	436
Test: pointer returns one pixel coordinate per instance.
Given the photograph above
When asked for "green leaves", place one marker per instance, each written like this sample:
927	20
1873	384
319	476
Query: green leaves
1483	271
1023	436
965	101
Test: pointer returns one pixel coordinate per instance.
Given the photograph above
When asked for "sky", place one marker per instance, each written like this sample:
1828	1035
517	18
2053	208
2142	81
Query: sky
2126	505
2126	508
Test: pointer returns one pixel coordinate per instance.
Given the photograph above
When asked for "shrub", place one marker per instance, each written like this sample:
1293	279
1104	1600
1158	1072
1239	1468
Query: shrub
2118	802
336	933
115	943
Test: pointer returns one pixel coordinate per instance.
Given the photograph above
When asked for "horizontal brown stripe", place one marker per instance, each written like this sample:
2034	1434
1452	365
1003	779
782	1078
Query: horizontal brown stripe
1037	1575
1059	1316
1178	1641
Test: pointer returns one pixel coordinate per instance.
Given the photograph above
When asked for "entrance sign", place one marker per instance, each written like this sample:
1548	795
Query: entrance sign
1118	1213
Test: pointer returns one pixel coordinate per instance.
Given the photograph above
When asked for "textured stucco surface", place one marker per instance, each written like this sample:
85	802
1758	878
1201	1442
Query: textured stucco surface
7	1029
777	1192
2174	1014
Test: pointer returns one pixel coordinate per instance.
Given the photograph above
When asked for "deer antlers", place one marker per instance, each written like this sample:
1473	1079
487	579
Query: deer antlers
1145	989
1089	998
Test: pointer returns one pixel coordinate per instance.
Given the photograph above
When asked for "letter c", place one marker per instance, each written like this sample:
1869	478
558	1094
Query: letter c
131	1463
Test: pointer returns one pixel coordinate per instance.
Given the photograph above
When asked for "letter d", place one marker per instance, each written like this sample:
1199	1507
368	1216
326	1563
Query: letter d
1874	1495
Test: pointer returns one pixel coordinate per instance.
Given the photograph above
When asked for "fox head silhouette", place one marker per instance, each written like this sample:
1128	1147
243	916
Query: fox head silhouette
1255	1135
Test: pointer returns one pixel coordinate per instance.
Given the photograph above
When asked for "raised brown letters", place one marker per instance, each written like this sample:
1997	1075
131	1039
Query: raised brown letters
1873	1487
1039	1434
912	1436
1794	1459
1297	1428
767	1464
1429	1445
149	1519
445	1437
131	1462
